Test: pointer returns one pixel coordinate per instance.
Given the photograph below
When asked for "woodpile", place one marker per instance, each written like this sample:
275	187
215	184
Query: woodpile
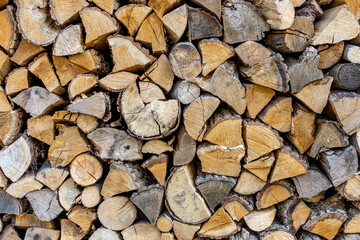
179	119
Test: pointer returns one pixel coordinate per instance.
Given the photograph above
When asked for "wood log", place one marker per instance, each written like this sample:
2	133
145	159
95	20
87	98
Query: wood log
136	57
244	234
219	225
185	148
355	141
86	170
11	205
158	165
185	231
238	206
121	178
182	197
24	185
163	7
11	124
8	40
30	220
277	231
116	82
164	222
102	233
353	5
84	217
90	196
340	164
52	177
69	194
66	12
225	76
259	220
17	157
214	188
351	53
35	24
167	236
17	80
150	200
5	65
69	230
328	135
273	194
305	186
349	189
293	213
109	6
346	76
261	167
345	106
150	92
132	16
185	61
242	22
3	3
152	35
175	22
326	31
141	231
42	234
25	52
3	180
91	60
9	232
66	146
185	91
122	215
352	223
251	53
343	236
248	183
329	54
257	97
326	218
66	70
81	84
45	204
73	35
202	24
5	104
42	128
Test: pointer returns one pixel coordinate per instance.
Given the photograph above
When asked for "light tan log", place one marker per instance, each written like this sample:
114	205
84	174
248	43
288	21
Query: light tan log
273	194
85	169
81	84
92	60
141	231
11	124
17	80
150	92
277	231
185	231
5	65
69	194
51	177
157	165
185	148
24	185
42	128
67	70
248	183
165	222
108	5
238	206
132	16
102	232
83	217
261	167
257	97
329	54
42	233
185	91
8	39
90	196
69	41
30	220
116	82
5	104
25	52
66	11
259	220
9	232
350	188
163	7
175	23
70	231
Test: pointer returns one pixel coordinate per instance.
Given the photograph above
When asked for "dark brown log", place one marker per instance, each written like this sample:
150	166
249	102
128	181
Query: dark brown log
346	76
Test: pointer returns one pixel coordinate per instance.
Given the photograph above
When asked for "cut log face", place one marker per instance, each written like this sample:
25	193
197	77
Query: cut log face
81	84
34	23
251	53
183	199
248	183
42	233
202	24
69	230
213	6
5	65
261	167
92	60
350	188
273	194
98	105
69	41
64	12
175	22
185	91
90	196
242	22
277	231
5	105
11	123
10	205
108	5
140	231
104	233
9	232
257	97
116	82
132	16
68	194
16	81
351	53
42	128
185	148
121	216
26	184
25	52
346	76
327	27
67	70
259	220
185	231
329	54
160	117
238	206
52	177
83	217
157	165
163	7
164	222
30	220
86	170
45	204
8	39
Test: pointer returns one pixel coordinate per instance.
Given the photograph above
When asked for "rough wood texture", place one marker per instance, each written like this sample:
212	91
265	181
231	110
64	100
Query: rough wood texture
185	91
66	11
259	220
140	231
69	193
158	165
329	54
25	52
11	124
273	194
238	206
132	15
248	183
175	22
202	24
346	76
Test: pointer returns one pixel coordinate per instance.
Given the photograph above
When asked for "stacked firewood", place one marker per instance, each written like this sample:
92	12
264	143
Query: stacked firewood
174	119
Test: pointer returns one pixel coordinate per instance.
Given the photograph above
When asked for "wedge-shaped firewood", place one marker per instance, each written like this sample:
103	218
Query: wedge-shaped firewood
304	70
86	170
68	193
67	145
273	194
150	200
34	23
277	231
185	231
279	14
161	74
70	231
219	159
66	11
81	84
185	61
52	177
25	52
42	128
238	206
277	114
98	25
108	5
251	53
305	183
9	232
259	220
141	230
42	233
160	117
346	75
8	39
24	185
350	188
245	234
182	199
127	55
69	41
121	178
161	7
185	148
346	107
326	218
5	65
156	147
352	224
87	123
157	165
16	81
328	135
116	82
16	158
311	8
30	220
150	92
329	54
340	164
132	16
67	70
10	205
202	24
248	183
336	25
164	222
213	6
214	188
257	97
97	105
90	196
122	214
261	167
5	104
152	34
102	232
225	76
45	204
11	123
185	91
38	101
260	139
85	217
238	27
111	143
289	163
92	60
175	23
293	213
219	225
295	38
